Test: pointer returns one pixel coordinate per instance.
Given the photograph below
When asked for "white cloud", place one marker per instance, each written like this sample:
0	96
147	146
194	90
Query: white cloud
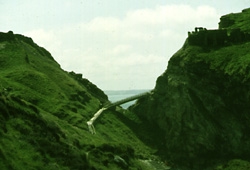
119	49
102	24
42	37
124	52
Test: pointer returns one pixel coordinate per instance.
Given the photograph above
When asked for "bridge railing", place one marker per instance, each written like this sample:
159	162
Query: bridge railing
98	113
128	99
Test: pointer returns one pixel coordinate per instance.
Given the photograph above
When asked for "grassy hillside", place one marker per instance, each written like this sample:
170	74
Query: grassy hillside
43	115
236	21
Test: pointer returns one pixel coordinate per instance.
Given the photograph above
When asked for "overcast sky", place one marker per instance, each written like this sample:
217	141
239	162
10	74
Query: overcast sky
116	44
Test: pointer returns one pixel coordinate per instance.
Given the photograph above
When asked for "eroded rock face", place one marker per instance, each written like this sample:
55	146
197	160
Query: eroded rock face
201	103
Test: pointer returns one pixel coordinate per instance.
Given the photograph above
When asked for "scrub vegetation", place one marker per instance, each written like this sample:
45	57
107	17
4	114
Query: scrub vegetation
44	111
197	117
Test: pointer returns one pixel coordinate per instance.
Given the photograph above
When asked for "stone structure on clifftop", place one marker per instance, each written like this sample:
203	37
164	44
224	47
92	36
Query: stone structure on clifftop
217	37
200	104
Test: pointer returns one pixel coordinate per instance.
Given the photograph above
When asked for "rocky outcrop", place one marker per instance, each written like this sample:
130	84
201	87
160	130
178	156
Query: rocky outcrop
235	21
201	103
232	30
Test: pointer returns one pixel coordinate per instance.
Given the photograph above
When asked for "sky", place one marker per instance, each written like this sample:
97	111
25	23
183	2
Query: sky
116	44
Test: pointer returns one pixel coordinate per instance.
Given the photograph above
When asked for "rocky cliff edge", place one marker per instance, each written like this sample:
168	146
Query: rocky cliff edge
201	102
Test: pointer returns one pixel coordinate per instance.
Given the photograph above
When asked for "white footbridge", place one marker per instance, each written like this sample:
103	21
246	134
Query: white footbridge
108	106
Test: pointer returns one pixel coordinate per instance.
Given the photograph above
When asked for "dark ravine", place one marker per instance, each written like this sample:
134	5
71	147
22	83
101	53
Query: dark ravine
201	102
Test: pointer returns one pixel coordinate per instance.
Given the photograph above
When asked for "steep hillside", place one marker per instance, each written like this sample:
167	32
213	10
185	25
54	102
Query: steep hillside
200	104
43	115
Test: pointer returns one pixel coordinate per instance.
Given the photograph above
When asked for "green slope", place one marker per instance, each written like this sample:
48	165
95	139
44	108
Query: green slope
236	21
43	115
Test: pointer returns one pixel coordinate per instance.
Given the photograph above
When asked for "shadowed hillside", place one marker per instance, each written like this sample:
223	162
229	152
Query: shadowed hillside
201	103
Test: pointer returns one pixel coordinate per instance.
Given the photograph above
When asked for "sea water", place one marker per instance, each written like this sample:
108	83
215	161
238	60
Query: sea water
116	95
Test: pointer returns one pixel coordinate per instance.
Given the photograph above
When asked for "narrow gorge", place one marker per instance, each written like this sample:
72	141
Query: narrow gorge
196	118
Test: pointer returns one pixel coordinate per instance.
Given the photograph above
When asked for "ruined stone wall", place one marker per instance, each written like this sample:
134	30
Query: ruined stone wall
7	36
219	37
205	37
